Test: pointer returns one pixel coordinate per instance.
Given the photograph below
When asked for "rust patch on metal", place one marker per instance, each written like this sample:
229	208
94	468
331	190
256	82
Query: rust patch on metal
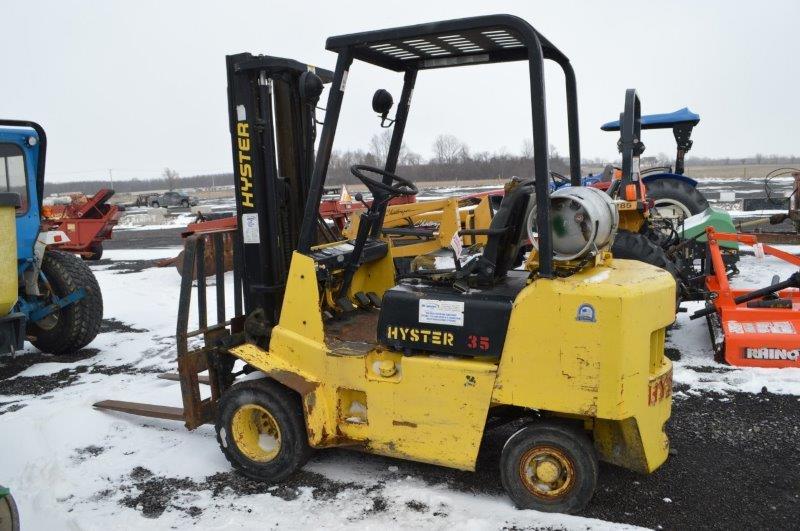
294	381
404	423
352	335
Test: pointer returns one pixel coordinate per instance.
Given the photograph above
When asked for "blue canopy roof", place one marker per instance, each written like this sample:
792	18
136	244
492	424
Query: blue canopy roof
660	121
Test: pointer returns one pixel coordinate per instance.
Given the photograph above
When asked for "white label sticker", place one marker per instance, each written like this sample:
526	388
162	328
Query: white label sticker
441	312
344	80
250	232
457	245
760	327
241	114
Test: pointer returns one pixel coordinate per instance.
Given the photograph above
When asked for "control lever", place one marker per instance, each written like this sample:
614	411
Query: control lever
367	220
360	198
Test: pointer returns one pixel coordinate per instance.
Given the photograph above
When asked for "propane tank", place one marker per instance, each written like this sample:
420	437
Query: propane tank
583	221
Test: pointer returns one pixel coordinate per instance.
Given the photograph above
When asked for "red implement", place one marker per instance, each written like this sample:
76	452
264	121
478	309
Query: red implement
87	221
759	328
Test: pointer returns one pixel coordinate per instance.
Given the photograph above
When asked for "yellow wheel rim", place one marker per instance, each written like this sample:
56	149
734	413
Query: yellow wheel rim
256	433
547	472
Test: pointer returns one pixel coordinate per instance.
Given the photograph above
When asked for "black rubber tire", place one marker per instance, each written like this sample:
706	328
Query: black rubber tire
678	191
636	246
185	203
9	516
155	204
574	443
97	252
78	323
286	409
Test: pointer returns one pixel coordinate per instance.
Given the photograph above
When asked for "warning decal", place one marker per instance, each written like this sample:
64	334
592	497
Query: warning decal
433	311
250	232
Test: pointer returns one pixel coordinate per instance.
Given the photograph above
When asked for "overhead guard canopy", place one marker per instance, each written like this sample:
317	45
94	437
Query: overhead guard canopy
488	39
661	121
466	41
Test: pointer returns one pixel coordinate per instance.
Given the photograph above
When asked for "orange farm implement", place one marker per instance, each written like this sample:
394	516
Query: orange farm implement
752	328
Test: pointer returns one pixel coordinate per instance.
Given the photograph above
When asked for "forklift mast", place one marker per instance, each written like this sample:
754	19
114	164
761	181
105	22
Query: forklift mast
271	108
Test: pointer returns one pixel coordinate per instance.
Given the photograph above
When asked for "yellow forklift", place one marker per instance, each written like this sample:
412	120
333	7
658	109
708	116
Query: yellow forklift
329	347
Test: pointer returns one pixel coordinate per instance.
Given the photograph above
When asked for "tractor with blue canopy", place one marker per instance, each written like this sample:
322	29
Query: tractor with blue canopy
48	297
674	194
663	215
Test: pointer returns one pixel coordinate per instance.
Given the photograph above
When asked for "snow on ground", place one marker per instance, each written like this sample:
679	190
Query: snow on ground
153	219
74	467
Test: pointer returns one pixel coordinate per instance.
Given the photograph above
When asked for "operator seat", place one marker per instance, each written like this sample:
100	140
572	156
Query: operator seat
504	235
469	313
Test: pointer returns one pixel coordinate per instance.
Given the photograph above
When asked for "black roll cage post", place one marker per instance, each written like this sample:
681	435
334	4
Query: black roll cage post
630	144
682	133
459	42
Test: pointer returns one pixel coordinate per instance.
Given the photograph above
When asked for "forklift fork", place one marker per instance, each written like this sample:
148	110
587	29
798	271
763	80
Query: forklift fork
195	359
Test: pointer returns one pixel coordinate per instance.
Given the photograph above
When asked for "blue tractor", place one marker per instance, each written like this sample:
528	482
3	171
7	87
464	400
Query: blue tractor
47	296
675	196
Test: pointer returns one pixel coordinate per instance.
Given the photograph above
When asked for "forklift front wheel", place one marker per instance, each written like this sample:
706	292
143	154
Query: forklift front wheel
9	517
261	430
549	467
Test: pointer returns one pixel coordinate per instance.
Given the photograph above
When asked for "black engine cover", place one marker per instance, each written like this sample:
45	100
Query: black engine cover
445	320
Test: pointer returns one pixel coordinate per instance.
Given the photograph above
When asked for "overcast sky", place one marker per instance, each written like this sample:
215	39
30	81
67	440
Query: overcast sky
140	85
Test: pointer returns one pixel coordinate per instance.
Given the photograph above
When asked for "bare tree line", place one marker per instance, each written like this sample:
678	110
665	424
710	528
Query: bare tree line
452	160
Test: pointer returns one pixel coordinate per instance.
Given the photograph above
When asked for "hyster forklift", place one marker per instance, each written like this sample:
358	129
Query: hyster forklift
332	348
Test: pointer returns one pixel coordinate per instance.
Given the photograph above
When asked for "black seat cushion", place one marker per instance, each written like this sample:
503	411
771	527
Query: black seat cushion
442	319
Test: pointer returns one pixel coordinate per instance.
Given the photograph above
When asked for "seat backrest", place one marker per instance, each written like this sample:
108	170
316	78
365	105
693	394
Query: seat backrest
506	230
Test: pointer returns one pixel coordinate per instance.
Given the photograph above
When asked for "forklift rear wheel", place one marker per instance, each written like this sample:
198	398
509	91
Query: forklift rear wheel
9	517
549	467
96	250
73	327
261	430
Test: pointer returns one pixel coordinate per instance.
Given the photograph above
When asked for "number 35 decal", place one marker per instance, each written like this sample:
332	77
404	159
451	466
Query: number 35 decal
477	342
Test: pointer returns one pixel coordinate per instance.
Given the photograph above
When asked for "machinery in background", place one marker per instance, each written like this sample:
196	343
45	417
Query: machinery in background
47	295
791	216
752	328
87	222
420	366
662	215
674	196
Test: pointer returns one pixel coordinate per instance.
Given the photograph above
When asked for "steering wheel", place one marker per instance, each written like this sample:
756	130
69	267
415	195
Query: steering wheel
558	178
403	186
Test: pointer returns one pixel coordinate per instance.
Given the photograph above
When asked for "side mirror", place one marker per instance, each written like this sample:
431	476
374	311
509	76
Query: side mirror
382	102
